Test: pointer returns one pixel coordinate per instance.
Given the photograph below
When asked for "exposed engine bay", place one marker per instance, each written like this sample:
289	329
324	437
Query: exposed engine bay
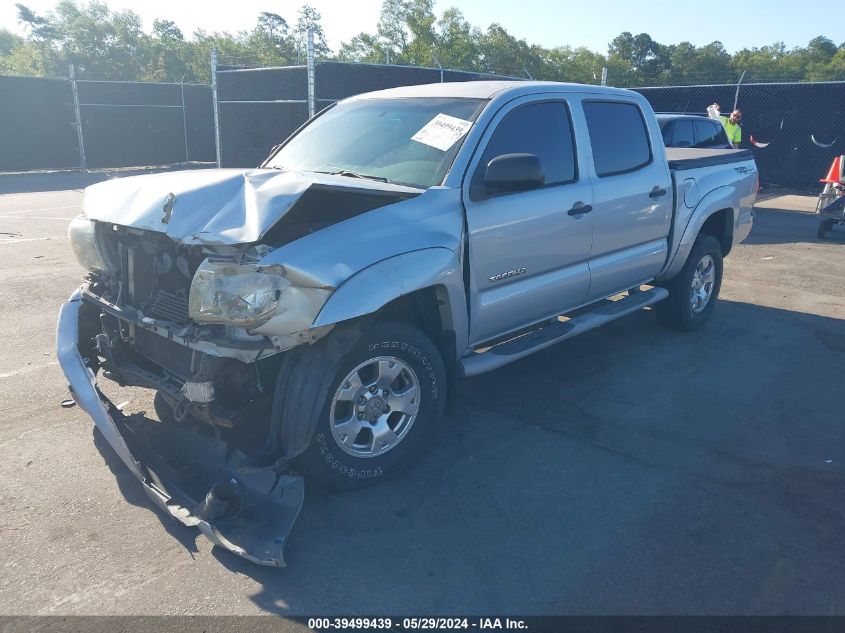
145	336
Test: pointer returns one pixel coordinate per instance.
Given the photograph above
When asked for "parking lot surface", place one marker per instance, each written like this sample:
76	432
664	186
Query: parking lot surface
632	470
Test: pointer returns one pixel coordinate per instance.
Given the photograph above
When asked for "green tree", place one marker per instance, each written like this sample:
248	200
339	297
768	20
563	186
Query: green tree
99	42
502	53
579	65
271	42
420	20
769	63
392	29
362	48
642	60
167	53
706	64
9	41
456	41
310	18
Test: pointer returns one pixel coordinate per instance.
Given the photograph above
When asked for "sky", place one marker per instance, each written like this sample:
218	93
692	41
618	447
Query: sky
547	22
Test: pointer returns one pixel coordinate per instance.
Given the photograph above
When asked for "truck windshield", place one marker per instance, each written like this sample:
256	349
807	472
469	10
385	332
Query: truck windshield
405	141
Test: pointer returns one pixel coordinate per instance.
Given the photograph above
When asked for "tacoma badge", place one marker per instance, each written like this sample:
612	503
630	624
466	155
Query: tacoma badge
510	273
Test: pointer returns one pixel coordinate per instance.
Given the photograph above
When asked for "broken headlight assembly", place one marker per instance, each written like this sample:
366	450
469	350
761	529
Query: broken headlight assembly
89	248
249	296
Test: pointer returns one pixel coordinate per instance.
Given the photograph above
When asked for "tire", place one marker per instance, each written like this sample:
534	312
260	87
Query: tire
163	410
682	310
825	226
336	458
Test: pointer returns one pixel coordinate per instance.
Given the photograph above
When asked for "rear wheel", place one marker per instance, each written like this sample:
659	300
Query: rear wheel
387	395
693	293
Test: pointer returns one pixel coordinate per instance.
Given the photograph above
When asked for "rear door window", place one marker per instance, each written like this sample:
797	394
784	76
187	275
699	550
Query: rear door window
618	137
709	134
683	135
666	131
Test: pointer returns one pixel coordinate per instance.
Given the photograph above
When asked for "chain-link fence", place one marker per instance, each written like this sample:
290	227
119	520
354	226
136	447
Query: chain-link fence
794	129
258	108
51	123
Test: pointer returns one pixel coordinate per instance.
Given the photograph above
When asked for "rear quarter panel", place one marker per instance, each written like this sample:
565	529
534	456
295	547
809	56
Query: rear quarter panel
701	192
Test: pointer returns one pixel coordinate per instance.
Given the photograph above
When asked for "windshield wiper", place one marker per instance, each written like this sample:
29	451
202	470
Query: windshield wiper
355	174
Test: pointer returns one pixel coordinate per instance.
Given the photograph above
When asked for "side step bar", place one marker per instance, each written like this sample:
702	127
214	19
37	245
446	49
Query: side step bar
557	331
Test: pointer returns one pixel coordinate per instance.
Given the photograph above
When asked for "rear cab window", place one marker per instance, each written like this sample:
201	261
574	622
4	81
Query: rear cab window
618	137
543	129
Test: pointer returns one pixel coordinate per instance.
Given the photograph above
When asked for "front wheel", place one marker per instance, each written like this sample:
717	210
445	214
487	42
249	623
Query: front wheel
825	227
387	396
693	293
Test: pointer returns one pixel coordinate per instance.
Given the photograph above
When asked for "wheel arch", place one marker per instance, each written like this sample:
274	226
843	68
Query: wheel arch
714	215
423	288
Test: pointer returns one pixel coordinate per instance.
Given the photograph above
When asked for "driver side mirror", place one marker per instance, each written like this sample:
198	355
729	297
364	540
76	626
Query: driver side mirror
514	172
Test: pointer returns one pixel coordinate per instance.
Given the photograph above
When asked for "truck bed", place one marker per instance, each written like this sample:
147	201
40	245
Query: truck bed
683	158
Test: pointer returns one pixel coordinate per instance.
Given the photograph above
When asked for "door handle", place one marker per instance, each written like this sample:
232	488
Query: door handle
657	192
579	209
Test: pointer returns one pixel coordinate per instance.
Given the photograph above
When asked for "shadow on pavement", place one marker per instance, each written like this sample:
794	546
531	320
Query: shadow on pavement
781	226
631	470
132	491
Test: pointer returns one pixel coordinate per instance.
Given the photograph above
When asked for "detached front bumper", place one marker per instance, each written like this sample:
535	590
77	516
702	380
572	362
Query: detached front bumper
196	479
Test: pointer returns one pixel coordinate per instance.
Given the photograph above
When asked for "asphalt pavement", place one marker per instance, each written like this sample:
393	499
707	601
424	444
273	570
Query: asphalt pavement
632	470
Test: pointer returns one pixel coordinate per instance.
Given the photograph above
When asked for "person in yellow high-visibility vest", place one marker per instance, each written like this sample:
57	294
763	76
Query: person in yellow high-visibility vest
731	124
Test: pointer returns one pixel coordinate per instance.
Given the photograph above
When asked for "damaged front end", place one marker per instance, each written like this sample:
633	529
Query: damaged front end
210	461
205	326
198	478
198	285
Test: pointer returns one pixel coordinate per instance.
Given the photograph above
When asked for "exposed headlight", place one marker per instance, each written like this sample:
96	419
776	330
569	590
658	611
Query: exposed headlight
234	294
82	234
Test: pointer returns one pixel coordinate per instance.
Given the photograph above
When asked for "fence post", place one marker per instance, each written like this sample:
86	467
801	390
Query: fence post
184	120
214	102
437	61
309	60
82	162
604	76
738	84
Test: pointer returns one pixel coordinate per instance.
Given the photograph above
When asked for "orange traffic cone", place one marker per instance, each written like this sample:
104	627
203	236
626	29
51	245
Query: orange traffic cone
835	172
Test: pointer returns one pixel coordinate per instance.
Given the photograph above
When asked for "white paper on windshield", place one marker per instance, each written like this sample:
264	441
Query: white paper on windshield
442	131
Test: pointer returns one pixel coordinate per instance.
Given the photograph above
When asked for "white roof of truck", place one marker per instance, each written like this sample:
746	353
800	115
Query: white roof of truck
487	89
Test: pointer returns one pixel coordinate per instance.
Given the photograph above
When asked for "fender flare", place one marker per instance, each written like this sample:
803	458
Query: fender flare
371	288
723	197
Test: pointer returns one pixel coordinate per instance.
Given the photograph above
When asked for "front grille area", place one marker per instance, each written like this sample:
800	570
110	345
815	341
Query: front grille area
160	276
170	306
176	358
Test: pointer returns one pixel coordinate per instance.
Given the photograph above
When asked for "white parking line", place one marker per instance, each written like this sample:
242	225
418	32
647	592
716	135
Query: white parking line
33	239
29	369
68	206
32	217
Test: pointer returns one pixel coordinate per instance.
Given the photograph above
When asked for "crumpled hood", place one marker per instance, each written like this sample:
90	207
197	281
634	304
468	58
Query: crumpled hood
210	206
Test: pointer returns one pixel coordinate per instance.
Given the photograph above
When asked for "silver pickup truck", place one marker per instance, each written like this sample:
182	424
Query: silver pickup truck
315	316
